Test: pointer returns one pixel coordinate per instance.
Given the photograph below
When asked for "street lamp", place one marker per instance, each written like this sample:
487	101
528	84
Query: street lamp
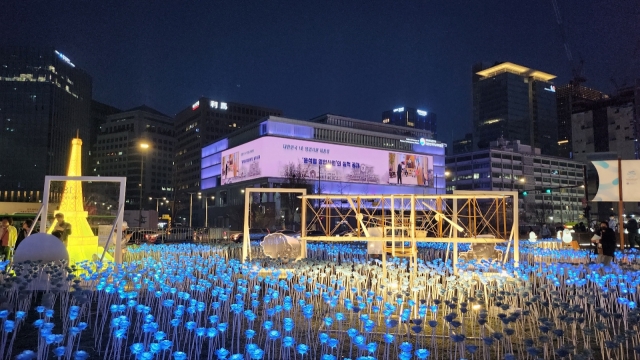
191	205
143	148
327	166
206	210
157	201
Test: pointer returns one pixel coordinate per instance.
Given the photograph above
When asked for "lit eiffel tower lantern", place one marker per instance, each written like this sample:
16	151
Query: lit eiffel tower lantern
82	244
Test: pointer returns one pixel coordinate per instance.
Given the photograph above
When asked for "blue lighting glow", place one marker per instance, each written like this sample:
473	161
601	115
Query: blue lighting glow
64	58
289	130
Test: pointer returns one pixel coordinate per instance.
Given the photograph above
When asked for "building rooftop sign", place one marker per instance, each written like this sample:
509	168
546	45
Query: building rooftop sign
218	105
400	109
64	58
424	142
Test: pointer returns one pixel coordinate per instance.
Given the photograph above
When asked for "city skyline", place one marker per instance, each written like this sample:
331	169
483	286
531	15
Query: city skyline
312	59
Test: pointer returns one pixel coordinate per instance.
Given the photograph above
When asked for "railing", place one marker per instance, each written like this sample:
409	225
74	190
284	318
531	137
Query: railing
178	234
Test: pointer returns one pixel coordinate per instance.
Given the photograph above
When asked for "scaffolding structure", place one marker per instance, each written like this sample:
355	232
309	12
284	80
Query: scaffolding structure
396	223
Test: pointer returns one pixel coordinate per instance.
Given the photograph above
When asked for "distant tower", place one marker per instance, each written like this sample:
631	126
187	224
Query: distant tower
82	243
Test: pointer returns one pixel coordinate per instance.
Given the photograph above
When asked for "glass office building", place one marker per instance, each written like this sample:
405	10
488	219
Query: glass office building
198	125
44	101
515	102
411	117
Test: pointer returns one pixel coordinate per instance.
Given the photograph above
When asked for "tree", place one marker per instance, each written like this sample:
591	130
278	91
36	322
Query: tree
295	178
543	213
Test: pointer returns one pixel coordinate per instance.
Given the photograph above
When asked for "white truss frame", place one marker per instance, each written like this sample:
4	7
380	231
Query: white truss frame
119	219
246	241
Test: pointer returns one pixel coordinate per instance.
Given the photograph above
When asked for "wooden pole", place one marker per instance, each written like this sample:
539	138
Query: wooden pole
455	237
620	206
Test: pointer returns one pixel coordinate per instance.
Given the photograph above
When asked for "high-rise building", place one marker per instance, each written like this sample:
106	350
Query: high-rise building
605	130
45	101
514	102
551	188
117	152
99	114
608	125
411	117
464	145
200	124
572	98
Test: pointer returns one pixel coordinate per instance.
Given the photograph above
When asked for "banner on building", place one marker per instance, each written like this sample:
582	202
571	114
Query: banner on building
608	188
271	156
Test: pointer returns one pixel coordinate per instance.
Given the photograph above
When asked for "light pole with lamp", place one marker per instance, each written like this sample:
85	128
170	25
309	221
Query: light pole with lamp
206	210
158	201
143	148
191	205
446	176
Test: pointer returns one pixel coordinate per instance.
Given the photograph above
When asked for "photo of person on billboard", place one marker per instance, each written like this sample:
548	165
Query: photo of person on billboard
410	169
229	167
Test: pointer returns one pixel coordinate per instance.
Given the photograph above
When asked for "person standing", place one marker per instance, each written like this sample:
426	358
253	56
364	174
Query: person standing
545	233
399	173
607	243
63	227
8	237
632	229
24	230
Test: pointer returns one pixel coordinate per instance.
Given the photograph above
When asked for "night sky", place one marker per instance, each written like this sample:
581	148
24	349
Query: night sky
352	58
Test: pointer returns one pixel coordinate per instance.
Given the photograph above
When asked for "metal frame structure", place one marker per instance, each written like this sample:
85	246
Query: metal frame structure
119	218
462	217
246	241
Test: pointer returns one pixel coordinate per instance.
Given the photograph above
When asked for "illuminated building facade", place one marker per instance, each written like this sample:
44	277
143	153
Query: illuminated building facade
334	154
45	99
411	117
117	152
198	125
514	102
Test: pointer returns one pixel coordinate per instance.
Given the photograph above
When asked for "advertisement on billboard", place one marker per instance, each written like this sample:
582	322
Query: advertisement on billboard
271	156
608	183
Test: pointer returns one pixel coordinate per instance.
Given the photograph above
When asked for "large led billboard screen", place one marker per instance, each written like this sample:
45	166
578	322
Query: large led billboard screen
271	156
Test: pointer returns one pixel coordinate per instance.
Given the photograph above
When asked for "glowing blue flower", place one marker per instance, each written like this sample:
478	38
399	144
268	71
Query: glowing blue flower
137	348
59	351
80	355
302	349
288	341
422	353
222	353
179	355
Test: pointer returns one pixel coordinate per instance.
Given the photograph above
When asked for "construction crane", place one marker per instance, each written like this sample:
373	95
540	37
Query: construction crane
577	70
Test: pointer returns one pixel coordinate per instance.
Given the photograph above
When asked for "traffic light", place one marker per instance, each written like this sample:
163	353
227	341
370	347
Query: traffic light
547	191
524	193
